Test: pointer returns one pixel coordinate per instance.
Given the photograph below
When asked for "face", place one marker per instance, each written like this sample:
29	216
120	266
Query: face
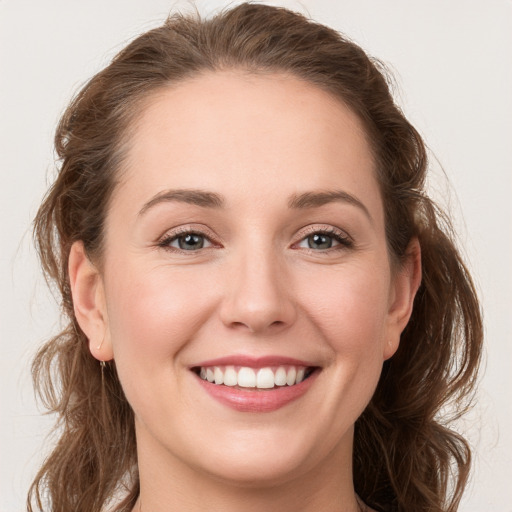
245	244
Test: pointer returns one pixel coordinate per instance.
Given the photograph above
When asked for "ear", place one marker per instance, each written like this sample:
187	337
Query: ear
89	302
405	283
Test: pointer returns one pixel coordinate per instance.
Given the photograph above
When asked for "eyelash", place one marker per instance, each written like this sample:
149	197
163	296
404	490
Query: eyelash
344	241
167	239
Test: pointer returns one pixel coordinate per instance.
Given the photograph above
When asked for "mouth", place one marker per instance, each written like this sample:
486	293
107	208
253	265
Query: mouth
256	385
254	379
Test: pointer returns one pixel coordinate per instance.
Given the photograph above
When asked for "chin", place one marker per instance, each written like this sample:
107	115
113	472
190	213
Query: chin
266	460
259	472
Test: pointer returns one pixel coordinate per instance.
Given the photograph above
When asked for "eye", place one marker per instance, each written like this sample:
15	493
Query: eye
186	241
322	240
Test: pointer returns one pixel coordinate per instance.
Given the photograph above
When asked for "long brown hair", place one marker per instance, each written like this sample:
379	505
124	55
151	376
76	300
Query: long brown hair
406	458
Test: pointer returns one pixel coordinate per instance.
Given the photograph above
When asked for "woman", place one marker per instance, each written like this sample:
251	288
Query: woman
266	310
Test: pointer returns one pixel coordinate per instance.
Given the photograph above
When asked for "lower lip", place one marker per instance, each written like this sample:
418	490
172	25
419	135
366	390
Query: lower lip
257	400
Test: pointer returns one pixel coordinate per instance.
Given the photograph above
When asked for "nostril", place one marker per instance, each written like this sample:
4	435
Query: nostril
258	326
256	316
240	325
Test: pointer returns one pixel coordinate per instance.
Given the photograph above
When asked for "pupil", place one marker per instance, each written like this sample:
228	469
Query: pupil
319	241
191	241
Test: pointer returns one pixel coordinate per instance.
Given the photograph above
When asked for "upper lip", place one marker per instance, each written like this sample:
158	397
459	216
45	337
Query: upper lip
254	362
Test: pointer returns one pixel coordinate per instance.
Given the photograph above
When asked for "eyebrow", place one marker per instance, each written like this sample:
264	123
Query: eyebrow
321	198
207	199
196	197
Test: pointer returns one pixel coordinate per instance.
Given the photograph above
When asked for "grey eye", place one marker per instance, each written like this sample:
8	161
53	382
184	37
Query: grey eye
320	241
324	240
189	242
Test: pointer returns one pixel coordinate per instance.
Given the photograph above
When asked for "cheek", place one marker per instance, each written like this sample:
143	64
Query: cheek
154	312
153	315
349	307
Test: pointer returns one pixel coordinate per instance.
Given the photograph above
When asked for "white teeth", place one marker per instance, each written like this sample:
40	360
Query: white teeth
265	378
280	377
219	375
230	377
291	375
246	377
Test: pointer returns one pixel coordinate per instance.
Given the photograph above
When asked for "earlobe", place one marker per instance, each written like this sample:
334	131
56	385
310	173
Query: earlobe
89	302
405	284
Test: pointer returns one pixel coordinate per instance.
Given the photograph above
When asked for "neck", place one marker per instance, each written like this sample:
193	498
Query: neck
167	483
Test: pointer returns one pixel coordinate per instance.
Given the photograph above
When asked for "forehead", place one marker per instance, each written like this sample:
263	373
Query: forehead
246	135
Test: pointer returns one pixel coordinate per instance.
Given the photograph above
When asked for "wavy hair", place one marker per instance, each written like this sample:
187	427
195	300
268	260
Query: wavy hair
406	458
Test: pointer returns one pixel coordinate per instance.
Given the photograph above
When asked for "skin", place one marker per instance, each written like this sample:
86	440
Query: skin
256	288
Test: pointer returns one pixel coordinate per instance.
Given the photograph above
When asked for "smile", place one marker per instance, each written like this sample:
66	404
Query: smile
246	377
256	385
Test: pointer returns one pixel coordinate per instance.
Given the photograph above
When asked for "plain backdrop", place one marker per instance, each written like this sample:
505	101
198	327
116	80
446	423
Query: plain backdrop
452	62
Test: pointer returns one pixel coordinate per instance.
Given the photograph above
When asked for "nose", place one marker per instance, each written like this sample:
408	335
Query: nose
258	297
